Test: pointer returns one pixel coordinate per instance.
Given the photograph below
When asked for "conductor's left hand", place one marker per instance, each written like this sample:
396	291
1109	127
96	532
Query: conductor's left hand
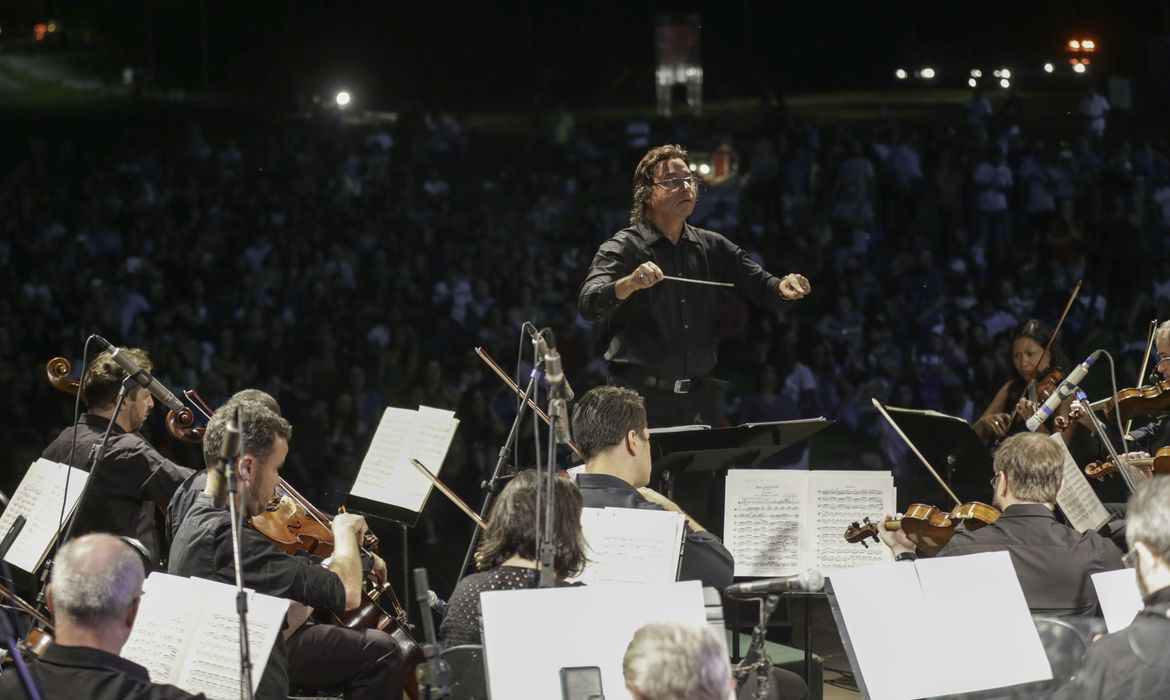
794	286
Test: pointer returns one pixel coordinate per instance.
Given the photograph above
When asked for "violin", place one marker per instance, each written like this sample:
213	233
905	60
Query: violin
929	528
1159	465
1139	400
40	637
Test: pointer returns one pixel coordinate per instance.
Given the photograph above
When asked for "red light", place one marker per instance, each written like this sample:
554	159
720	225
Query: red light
39	30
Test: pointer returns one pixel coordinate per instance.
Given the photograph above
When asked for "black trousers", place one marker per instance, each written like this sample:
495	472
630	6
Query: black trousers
360	663
665	408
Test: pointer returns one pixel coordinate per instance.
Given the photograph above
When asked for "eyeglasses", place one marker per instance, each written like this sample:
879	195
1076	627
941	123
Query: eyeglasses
675	183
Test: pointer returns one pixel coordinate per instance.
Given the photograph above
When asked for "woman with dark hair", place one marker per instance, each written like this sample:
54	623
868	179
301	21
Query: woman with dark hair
507	558
1019	395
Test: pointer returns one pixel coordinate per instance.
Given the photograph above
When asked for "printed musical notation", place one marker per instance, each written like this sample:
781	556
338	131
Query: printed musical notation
39	499
627	545
386	474
781	522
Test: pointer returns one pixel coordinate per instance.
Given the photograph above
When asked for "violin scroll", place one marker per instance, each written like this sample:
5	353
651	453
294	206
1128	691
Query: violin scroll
57	370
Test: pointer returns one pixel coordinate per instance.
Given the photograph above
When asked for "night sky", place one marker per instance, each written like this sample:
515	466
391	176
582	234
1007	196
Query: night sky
500	54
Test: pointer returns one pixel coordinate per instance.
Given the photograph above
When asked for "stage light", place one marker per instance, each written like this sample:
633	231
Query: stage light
1074	45
976	73
342	99
704	169
1088	45
1005	83
1079	68
1048	67
1005	73
900	74
927	73
972	82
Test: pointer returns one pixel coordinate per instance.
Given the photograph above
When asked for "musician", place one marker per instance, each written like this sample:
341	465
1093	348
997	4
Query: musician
507	558
1053	561
609	427
365	663
669	661
1132	663
93	597
1032	364
662	335
134	483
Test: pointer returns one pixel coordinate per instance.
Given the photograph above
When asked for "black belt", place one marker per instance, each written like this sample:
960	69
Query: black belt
637	375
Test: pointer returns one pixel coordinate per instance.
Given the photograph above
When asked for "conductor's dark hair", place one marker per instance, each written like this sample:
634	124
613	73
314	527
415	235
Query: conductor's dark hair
511	526
604	416
644	177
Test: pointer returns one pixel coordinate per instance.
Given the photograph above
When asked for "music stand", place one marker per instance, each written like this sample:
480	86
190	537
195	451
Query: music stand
952	447
709	452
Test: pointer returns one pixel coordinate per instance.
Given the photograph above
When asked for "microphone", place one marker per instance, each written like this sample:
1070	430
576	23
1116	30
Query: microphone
1066	388
810	580
154	386
554	372
436	603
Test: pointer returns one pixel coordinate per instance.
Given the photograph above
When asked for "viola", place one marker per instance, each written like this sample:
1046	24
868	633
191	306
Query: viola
929	528
1159	465
1139	400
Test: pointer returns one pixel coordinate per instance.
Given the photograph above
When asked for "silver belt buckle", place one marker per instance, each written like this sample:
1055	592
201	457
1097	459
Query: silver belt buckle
682	386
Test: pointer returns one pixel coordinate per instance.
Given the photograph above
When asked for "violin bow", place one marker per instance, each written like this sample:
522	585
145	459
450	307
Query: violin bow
881	409
483	355
1141	379
451	496
1047	354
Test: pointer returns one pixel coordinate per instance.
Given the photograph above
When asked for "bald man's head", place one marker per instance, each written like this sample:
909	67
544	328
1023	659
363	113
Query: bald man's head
96	580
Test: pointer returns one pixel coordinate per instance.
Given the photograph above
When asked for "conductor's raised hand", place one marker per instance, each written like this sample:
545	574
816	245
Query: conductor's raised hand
794	286
644	276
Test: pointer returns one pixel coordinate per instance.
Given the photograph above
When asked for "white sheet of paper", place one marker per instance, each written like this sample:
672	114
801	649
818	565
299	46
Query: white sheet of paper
981	595
38	499
195	646
386	474
1120	599
836	500
978	594
627	545
762	515
1076	497
529	635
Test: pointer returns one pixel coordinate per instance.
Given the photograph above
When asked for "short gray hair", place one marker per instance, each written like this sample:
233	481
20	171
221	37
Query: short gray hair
1147	519
1034	466
96	578
262	426
671	661
1162	332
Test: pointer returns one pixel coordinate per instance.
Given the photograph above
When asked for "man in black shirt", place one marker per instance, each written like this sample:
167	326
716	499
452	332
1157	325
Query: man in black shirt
134	483
663	333
1132	663
609	427
362	663
93	596
1053	561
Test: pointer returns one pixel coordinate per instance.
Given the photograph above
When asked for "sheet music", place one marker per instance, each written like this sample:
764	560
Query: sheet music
837	499
529	635
386	474
1120	599
38	499
627	545
978	594
762	520
195	646
782	522
1076	497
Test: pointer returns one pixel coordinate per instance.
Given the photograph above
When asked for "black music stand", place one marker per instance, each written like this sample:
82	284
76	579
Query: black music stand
953	448
699	455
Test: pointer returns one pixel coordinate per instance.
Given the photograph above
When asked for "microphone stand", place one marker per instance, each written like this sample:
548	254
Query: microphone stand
492	486
547	553
434	675
233	450
756	659
1122	464
7	619
97	453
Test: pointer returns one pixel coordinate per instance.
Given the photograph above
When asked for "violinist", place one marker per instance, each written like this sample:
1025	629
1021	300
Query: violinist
1019	398
365	663
1132	663
1052	560
93	597
134	482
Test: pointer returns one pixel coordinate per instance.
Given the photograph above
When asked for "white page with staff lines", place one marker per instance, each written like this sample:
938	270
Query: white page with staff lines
386	474
39	499
628	545
780	522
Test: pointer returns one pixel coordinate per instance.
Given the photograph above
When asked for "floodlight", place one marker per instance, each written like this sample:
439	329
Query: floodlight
1005	73
972	82
928	73
1048	67
1005	83
704	169
976	73
1079	68
1074	45
1088	45
900	74
342	99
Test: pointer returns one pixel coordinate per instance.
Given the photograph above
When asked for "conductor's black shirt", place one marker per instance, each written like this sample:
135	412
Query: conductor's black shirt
670	328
